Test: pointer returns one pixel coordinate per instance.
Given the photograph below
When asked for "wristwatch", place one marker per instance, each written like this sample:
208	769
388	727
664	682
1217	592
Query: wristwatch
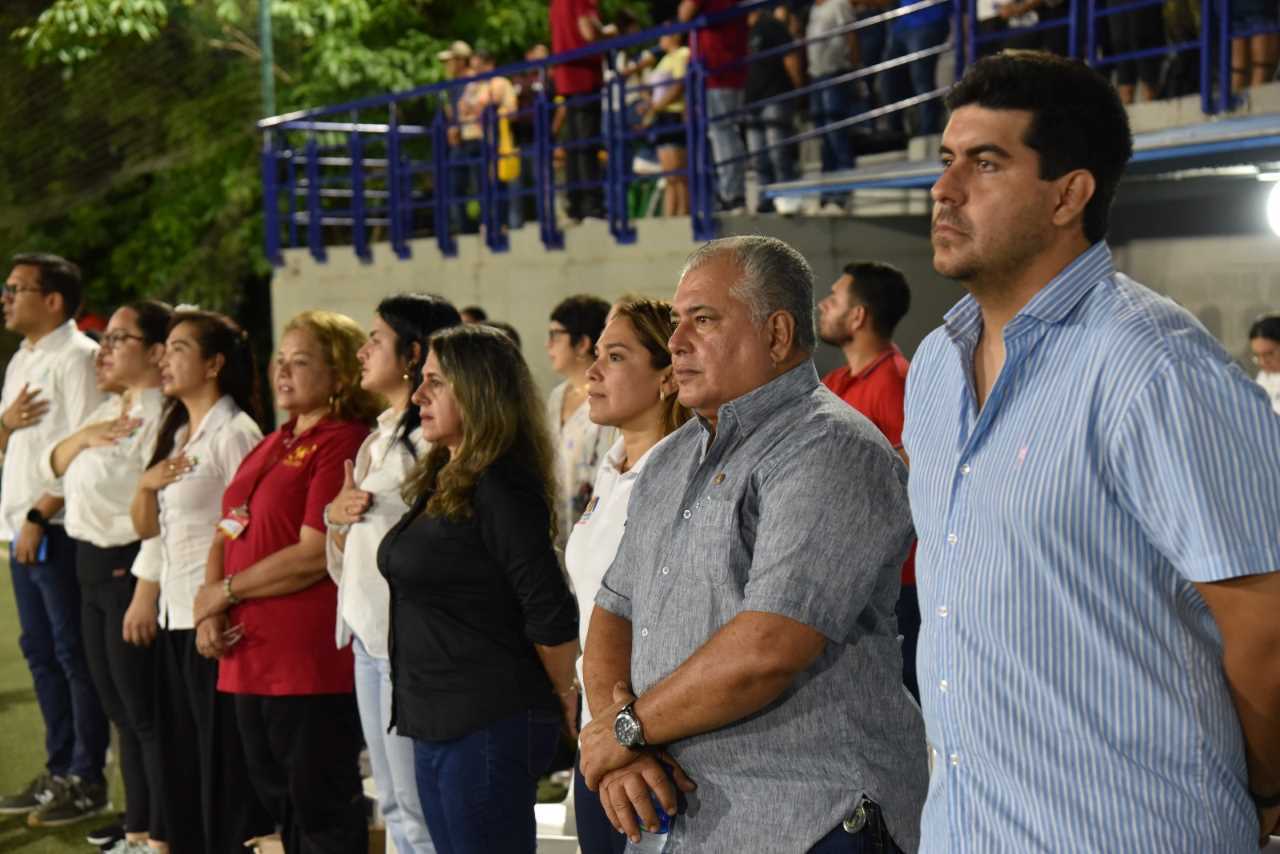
36	517
627	729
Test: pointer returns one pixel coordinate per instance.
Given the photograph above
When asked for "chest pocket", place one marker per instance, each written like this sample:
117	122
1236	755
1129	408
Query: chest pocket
708	545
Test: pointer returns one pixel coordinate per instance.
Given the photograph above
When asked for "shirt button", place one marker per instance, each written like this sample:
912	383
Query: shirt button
687	514
952	539
644	633
943	686
955	759
942	611
964	469
666	570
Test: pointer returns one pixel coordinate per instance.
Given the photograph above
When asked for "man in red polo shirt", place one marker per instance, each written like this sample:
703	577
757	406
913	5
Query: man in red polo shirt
859	316
576	24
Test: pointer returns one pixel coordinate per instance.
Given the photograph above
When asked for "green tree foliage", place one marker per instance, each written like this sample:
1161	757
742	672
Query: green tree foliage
128	141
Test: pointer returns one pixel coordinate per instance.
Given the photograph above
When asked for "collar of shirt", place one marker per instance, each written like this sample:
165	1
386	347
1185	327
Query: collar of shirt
740	416
54	341
886	354
1052	304
222	412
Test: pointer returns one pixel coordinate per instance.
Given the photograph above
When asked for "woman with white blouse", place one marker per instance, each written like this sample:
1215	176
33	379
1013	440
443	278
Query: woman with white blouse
209	376
576	323
358	518
100	465
630	387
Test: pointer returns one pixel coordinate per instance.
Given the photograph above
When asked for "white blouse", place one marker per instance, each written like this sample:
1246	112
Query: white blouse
580	446
593	543
191	506
382	465
100	482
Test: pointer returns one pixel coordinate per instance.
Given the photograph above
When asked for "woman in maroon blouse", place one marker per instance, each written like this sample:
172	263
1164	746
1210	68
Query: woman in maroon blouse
266	608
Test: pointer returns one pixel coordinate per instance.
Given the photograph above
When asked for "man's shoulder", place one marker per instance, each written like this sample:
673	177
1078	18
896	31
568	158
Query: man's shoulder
1137	327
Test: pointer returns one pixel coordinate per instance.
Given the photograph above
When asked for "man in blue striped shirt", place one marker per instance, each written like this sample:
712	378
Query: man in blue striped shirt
1096	488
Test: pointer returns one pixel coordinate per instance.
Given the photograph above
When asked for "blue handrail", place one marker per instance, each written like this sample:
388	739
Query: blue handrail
364	170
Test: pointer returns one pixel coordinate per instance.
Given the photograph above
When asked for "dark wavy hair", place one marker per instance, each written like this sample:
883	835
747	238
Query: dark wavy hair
215	334
154	319
414	318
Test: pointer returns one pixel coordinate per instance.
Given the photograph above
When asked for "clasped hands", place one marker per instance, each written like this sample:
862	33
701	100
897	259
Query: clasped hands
628	780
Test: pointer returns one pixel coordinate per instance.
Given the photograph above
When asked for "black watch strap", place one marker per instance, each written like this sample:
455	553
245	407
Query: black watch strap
34	515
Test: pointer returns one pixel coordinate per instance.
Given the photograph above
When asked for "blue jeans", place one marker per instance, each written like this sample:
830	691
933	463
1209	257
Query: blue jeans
726	142
872	839
48	600
917	77
834	103
767	127
390	755
478	791
871	44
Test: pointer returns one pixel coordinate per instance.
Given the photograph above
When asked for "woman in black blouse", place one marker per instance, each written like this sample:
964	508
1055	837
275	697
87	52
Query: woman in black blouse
483	626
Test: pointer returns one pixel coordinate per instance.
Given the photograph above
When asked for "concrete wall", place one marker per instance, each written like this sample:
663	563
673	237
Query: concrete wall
1226	280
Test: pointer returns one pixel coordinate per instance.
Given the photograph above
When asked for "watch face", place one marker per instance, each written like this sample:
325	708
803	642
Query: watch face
626	729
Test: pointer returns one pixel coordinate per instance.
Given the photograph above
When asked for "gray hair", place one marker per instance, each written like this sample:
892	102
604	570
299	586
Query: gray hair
775	277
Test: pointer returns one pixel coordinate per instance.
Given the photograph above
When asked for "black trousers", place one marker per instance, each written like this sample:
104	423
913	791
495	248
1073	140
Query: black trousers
208	799
124	676
303	754
582	165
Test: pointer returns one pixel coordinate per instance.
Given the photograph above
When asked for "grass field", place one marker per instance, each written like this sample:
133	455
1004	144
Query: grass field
22	742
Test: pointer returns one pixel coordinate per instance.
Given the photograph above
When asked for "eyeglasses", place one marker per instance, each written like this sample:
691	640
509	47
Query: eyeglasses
553	334
12	291
117	339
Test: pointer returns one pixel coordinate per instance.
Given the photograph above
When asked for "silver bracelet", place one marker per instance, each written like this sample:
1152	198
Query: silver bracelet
337	528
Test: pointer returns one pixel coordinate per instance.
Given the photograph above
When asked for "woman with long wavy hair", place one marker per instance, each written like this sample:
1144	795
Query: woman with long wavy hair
483	626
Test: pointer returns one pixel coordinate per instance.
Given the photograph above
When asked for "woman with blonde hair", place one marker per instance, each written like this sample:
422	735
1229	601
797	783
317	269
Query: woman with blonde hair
266	607
483	626
630	387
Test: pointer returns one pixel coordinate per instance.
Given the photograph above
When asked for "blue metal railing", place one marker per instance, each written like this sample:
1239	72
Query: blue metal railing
354	173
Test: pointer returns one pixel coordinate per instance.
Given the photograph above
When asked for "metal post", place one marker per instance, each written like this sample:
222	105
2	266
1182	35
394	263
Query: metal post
270	200
495	237
616	139
701	198
268	58
963	37
440	178
359	234
395	187
1091	32
544	173
1206	58
315	232
291	187
1226	98
1073	29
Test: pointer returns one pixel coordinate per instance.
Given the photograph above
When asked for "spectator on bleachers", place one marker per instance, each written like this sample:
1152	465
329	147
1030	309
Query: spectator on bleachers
833	102
1264	342
665	115
1138	29
576	24
1253	58
918	31
456	60
718	47
1016	15
528	85
476	97
771	123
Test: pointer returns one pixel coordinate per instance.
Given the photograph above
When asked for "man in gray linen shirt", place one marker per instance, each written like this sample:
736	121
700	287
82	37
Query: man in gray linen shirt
751	603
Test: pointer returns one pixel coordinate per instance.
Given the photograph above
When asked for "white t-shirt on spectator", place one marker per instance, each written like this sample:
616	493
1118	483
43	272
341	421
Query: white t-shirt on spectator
1270	380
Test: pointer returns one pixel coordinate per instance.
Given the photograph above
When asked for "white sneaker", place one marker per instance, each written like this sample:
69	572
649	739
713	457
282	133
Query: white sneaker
125	846
830	209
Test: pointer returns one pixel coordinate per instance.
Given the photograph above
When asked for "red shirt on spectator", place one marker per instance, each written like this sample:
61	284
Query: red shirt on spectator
583	75
288	647
718	46
878	392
